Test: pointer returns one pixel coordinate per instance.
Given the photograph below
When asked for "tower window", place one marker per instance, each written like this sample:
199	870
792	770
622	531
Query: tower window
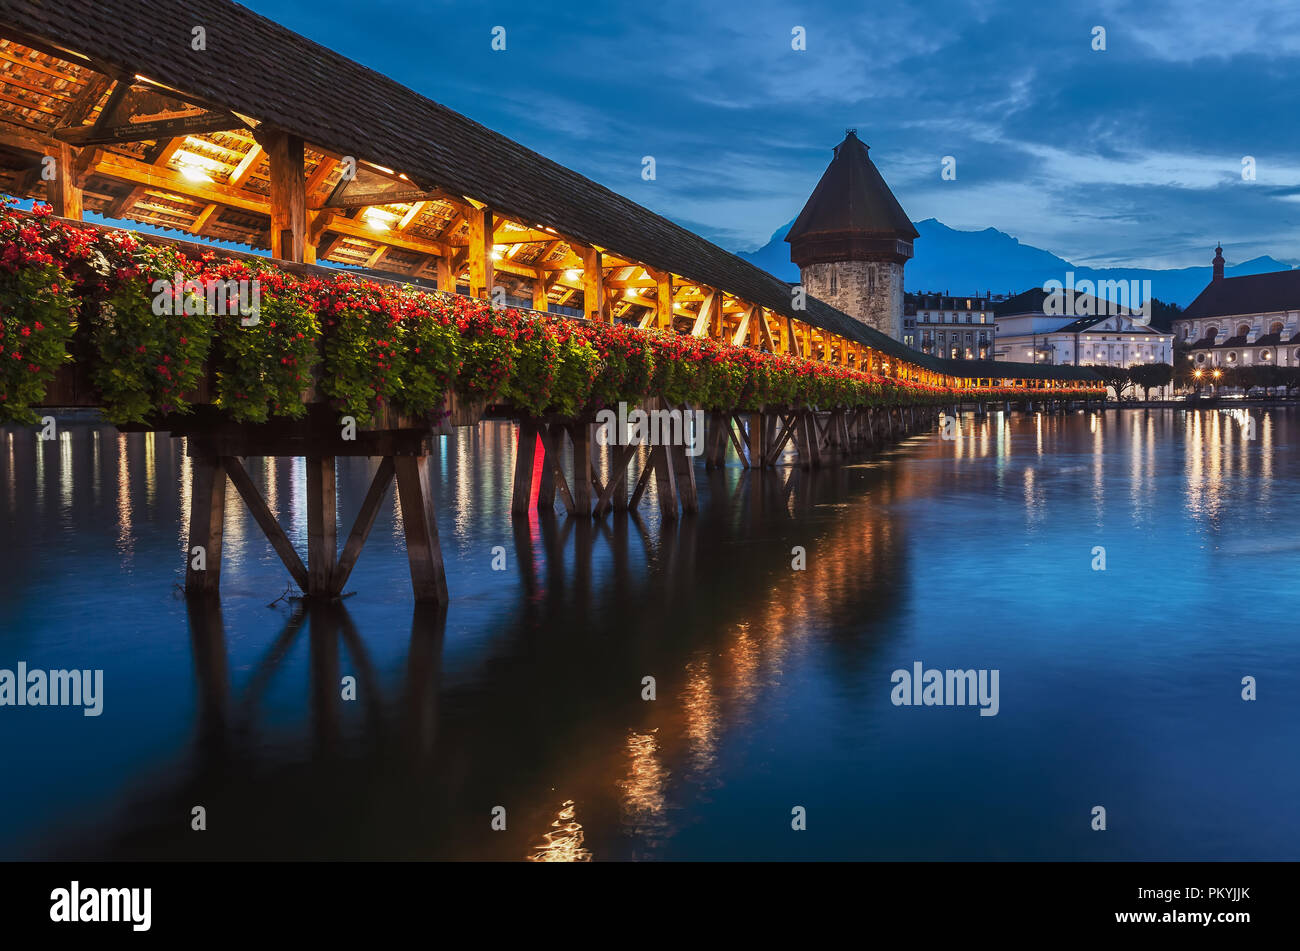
834	280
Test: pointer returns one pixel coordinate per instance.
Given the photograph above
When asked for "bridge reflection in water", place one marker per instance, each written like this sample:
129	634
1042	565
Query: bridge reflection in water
527	692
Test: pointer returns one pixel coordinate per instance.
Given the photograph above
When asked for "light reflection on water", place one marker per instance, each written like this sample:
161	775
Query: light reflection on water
772	683
565	843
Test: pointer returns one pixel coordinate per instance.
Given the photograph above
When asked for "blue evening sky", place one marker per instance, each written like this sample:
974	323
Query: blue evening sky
1128	156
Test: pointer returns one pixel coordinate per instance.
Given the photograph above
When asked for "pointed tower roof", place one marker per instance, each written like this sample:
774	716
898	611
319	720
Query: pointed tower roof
850	202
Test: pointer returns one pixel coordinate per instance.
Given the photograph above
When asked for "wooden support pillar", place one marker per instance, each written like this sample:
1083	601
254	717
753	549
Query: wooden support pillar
446	279
525	458
62	191
207	520
480	252
814	438
322	524
419	518
593	286
665	481
715	440
546	487
289	238
580	433
541	300
663	300
683	467
757	446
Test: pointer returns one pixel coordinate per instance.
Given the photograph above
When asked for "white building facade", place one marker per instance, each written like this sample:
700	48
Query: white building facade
1024	332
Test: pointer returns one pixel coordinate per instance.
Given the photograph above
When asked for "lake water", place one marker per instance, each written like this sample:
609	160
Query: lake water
1119	688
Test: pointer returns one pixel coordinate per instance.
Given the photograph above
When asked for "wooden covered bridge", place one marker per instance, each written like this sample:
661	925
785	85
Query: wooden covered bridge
208	120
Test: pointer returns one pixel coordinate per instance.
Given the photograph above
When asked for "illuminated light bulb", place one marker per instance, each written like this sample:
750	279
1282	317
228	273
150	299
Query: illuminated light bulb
378	219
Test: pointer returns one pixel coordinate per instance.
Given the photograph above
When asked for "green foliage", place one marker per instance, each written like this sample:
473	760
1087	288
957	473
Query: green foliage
266	360
36	323
151	340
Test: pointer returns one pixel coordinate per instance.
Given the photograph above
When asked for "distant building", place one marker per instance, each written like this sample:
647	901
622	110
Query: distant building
959	328
1030	330
852	239
1243	321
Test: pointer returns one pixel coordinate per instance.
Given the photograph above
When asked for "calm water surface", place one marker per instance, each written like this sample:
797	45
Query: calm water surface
1118	688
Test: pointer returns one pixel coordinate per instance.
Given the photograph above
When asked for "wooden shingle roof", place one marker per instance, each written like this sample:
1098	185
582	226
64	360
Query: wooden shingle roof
1268	293
852	197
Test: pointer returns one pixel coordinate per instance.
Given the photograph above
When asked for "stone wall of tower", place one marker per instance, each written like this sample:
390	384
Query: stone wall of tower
869	291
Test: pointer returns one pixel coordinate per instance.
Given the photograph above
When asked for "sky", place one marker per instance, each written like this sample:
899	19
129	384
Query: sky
1127	156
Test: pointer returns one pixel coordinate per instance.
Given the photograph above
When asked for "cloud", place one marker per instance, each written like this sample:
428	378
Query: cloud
1134	151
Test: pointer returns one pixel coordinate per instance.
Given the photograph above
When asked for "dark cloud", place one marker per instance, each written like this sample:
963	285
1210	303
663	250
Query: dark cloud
1132	155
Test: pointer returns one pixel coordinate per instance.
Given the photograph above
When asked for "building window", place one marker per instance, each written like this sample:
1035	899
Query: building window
834	279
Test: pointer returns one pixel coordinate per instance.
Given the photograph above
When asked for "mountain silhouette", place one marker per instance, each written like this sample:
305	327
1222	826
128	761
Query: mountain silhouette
975	262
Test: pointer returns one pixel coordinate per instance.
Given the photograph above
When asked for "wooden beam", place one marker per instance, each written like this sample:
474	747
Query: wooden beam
742	329
86	101
319	224
62	190
354	229
322	524
704	315
202	219
207	519
265	519
288	198
319	174
594	306
446	277
541	295
129	170
412	213
125	203
480	252
419	519
365	521
246	165
138	132
663	299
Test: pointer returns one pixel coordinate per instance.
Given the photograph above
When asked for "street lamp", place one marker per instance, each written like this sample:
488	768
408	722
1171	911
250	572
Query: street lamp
1217	373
